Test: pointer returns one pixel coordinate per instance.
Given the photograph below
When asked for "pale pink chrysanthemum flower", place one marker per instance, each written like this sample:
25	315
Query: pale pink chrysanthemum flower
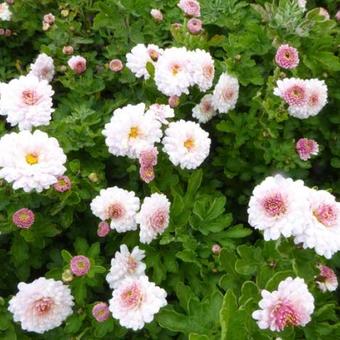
326	280
43	67
204	111
194	26
147	174
302	4
306	148
23	218
216	249
317	96
5	12
103	229
116	65
49	19
77	64
291	305
156	14
287	57
190	8
63	184
100	311
161	112
80	265
323	12
148	157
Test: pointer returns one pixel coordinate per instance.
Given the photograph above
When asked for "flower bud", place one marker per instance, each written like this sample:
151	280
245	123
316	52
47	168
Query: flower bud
194	26
93	177
116	65
77	64
68	50
67	276
157	15
173	101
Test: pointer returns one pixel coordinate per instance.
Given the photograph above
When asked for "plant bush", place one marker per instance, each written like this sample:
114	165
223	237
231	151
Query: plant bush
210	295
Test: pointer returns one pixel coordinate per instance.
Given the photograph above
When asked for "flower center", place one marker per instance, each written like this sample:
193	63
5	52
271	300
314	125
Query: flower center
32	158
116	211
158	219
24	217
134	132
285	315
313	100
132	264
227	94
153	54
30	97
208	71
274	205
189	144
325	214
295	95
175	69
288	55
206	106
131	297
43	305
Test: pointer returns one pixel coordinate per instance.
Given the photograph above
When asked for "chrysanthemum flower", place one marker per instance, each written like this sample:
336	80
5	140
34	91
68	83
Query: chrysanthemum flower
118	205
327	280
153	217
5	13
194	26
317	96
41	305
302	4
202	69
186	143
216	249
116	65
160	112
291	305
32	161
26	101
63	184
23	218
190	8
126	265
293	91
136	301
204	111
306	148
49	19
80	265
287	57
103	229
147	173
278	206
100	311
77	64
43	67
156	14
148	157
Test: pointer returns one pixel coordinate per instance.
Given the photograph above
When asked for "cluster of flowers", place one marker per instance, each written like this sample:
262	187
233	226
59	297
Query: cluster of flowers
281	206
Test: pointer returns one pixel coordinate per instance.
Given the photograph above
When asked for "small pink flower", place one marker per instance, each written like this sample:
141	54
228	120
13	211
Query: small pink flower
148	157
77	64
23	218
49	19
337	15
156	14
287	57
80	265
173	101
216	249
63	184
194	26
103	229
306	148
147	174
116	65
190	8
100	311
323	12
327	280
68	50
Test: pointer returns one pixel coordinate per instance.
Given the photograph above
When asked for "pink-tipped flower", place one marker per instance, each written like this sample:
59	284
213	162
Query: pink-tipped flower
323	12
287	57
80	265
156	14
194	26
216	249
103	229
306	148
49	19
147	174
63	184
68	50
77	64
337	15
327	280
173	101
100	311
190	8
23	218
148	157
116	65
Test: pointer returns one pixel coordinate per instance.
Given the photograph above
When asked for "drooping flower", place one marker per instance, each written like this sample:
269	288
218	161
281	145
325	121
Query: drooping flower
291	305
43	67
118	205
80	265
116	65
63	184
126	265
306	148
186	143
190	8
287	57
153	217
204	111
100	311
27	102
77	64
157	14
103	229
160	112
278	206
327	280
136	301
202	69
23	218
5	12
32	161
225	94
41	305
131	131
194	26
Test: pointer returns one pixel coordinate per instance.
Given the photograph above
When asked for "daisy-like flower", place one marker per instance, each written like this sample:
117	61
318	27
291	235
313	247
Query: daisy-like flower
190	8
118	205
173	71
41	305
225	94
204	111
77	64
26	102
43	67
136	301
100	311
290	305
287	57
23	218
306	148
80	265
322	231
63	184
31	161
327	280
278	206
186	143
125	265
5	13
160	112
203	69
153	217
139	56
317	97
130	131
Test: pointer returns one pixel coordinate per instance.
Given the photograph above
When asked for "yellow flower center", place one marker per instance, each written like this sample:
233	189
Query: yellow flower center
189	144
32	158
134	132
175	69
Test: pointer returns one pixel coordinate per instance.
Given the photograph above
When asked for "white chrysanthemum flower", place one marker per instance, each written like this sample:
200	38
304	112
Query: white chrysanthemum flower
225	94
43	67
291	305
135	302
327	280
41	305
139	56
26	102
317	96
186	143
160	112
5	13
153	217
204	111
278	206
173	72
118	205
130	131
126	265
322	230
32	161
